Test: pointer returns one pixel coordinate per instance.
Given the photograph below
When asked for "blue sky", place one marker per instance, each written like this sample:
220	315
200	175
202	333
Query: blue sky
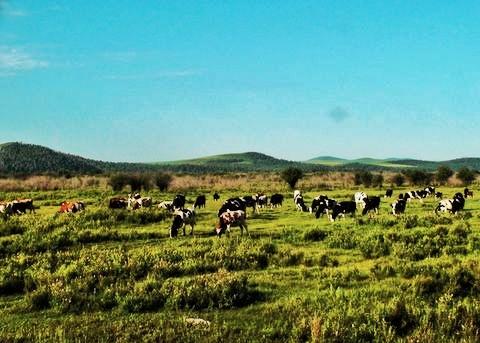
166	80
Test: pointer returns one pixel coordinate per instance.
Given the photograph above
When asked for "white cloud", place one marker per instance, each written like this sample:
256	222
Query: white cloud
13	60
166	74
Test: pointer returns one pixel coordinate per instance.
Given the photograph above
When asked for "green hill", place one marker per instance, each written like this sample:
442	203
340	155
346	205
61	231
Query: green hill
355	163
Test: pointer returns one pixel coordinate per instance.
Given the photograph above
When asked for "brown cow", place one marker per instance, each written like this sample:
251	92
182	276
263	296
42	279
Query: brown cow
71	207
231	218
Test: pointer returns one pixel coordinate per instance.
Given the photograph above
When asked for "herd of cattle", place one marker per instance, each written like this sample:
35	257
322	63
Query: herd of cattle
233	211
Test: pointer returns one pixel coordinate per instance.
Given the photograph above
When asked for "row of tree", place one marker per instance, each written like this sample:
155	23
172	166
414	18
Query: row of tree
139	181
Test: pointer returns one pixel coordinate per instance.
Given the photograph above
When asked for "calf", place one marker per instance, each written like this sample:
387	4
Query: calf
179	202
71	207
342	208
359	198
200	201
216	196
388	193
398	207
371	204
117	202
180	220
451	205
467	193
276	200
231	218
298	200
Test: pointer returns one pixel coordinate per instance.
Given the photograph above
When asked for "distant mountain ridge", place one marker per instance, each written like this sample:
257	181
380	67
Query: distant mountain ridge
20	159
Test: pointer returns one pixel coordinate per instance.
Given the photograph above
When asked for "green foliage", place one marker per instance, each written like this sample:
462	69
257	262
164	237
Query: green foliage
398	180
291	176
466	175
443	174
418	177
162	181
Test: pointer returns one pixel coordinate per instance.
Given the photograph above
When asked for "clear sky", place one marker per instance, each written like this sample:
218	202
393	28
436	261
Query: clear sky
163	80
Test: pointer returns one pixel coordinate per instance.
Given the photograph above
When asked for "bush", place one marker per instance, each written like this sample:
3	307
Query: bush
443	174
314	235
418	177
291	176
466	175
398	180
162	181
118	181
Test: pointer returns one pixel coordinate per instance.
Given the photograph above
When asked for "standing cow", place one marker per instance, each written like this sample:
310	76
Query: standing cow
231	218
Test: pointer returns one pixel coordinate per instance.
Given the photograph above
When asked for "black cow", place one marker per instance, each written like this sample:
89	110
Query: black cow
179	202
250	201
316	202
216	196
388	193
398	207
371	204
200	201
116	203
276	200
342	208
19	207
232	204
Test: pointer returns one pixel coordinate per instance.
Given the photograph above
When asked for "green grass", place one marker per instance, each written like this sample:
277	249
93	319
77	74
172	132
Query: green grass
100	276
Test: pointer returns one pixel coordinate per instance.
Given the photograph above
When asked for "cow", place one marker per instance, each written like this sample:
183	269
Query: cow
342	208
316	202
371	204
19	207
388	193
398	207
430	190
298	200
181	219
216	196
250	201
324	207
261	199
422	194
451	205
359	198
438	195
232	204
467	193
137	201
231	218
401	196
166	205
71	207
410	195
276	200
179	202
117	202
200	201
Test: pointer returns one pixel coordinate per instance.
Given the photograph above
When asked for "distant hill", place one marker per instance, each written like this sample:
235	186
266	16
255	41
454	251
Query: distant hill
366	161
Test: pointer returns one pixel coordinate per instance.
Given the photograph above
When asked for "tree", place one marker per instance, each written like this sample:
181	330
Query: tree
118	181
466	175
291	176
398	180
418	177
443	174
367	178
377	180
162	181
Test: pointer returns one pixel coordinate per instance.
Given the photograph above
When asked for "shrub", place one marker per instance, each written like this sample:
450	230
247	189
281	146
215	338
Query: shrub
314	235
418	177
291	176
398	180
443	174
466	175
162	181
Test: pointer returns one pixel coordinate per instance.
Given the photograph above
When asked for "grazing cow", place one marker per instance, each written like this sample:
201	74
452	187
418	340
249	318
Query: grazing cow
200	201
467	193
232	204
71	207
398	207
3	207
19	207
250	201
137	201
430	190
451	205
388	193
371	204
231	218
324	207
342	208
410	195
400	196
216	196
438	195
276	200
298	200
421	194
118	203
360	198
179	202
316	202
180	220
261	199
166	205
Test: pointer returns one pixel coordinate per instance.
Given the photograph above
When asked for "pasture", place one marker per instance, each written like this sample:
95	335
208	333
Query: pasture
114	275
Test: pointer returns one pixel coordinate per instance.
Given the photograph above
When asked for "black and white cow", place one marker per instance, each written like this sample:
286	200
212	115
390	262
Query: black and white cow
324	207
179	202
180	220
359	198
451	205
398	207
276	200
438	195
467	193
166	205
298	200
388	193
250	201
200	201
261	199
232	204
430	190
342	208
316	202
371	204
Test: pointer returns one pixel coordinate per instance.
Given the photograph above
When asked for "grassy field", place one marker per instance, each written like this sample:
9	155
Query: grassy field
115	276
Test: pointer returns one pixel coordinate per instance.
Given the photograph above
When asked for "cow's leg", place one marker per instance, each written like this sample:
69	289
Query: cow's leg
183	229
246	228
192	225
